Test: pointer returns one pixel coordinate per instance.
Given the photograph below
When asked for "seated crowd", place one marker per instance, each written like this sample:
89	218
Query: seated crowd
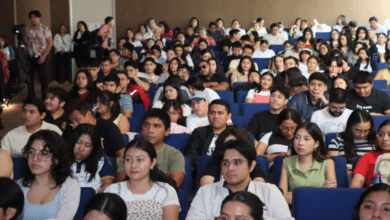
313	88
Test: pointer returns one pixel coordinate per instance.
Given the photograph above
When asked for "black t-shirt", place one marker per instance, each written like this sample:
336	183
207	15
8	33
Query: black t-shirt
351	73
62	122
378	101
214	170
261	123
215	78
226	43
227	60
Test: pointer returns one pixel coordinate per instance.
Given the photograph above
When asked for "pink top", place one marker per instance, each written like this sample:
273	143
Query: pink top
210	41
105	30
179	129
36	40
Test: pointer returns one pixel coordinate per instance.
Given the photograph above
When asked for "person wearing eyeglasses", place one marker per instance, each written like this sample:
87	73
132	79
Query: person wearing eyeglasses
364	96
277	143
216	82
333	118
49	191
357	139
34	111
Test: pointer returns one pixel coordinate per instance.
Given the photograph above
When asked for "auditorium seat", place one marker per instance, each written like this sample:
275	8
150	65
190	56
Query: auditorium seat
380	84
17	161
187	183
133	124
382	66
178	141
249	109
277	48
226	95
328	138
262	63
379	119
86	194
182	195
324	35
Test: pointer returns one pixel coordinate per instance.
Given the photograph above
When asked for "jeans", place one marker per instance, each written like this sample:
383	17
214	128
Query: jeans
33	67
62	63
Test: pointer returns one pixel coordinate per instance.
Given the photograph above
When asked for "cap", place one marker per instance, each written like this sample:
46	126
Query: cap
198	95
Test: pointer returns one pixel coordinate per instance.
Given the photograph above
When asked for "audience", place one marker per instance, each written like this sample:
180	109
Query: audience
208	199
333	118
84	88
216	82
33	115
364	96
175	112
112	83
49	191
90	166
146	184
275	37
309	166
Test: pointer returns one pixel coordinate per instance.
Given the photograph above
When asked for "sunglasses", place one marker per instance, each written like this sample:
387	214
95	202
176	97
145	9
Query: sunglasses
203	67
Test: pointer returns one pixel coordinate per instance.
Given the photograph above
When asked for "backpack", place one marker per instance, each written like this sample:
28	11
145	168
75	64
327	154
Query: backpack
382	170
94	40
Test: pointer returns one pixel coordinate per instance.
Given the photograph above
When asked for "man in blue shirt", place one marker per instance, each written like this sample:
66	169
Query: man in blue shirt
307	102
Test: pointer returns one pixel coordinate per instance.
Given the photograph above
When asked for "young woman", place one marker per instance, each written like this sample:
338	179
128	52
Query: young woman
353	57
130	36
166	32
142	33
196	84
335	67
107	206
304	55
172	92
148	192
157	54
309	166
213	173
334	39
190	34
302	26
345	45
365	63
62	45
310	39
49	191
183	56
340	23
362	36
172	70
276	65
6	49
115	56
120	43
295	81
381	46
245	67
384	74
150	66
171	53
81	48
263	91
357	139
324	53
194	23
313	65
277	143
264	51
364	170
372	36
341	81
258	26
84	88
241	205
214	67
91	167
108	108
175	112
373	203
296	27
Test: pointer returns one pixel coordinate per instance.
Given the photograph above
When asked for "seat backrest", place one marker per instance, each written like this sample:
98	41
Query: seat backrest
235	85
263	162
86	194
239	121
278	163
379	119
226	95
277	48
178	141
203	161
234	109
249	109
151	91
355	161
133	124
138	113
17	161
380	84
325	35
329	138
182	195
341	172
125	138
187	183
262	63
316	203
382	66
241	95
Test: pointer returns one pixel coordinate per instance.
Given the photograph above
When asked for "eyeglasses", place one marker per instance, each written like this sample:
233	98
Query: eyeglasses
203	67
175	113
286	129
333	109
359	132
41	155
183	71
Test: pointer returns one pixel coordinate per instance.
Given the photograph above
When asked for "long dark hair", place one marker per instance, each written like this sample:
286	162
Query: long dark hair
176	105
349	41
176	85
356	117
54	144
183	56
155	174
105	97
84	24
110	204
90	83
249	199
385	123
320	153
324	58
258	87
331	40
97	152
218	70
313	39
252	69
169	65
379	187
357	34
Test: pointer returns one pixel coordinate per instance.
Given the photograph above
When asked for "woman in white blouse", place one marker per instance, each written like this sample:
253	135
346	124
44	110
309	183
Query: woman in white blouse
62	44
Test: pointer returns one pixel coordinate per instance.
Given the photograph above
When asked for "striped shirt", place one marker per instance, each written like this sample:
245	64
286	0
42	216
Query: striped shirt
362	147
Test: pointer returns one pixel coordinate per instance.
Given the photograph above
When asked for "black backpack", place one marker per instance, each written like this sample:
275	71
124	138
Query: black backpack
94	40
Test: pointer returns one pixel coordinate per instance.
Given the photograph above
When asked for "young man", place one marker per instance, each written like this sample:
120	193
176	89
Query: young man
307	102
217	35
200	107
93	67
300	44
39	42
55	100
247	50
363	96
377	28
155	127
117	60
33	114
237	161
333	119
216	82
131	68
79	112
236	54
264	122
127	52
275	37
112	84
105	33
150	67
184	72
227	43
106	67
289	62
202	141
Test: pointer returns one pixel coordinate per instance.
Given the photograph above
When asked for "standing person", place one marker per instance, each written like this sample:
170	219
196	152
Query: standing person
38	42
81	48
62	44
105	33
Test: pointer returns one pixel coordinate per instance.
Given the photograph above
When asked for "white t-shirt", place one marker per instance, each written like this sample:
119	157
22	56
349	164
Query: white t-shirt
193	121
242	31
274	148
15	140
328	123
212	145
211	94
154	77
381	49
365	67
146	206
266	54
